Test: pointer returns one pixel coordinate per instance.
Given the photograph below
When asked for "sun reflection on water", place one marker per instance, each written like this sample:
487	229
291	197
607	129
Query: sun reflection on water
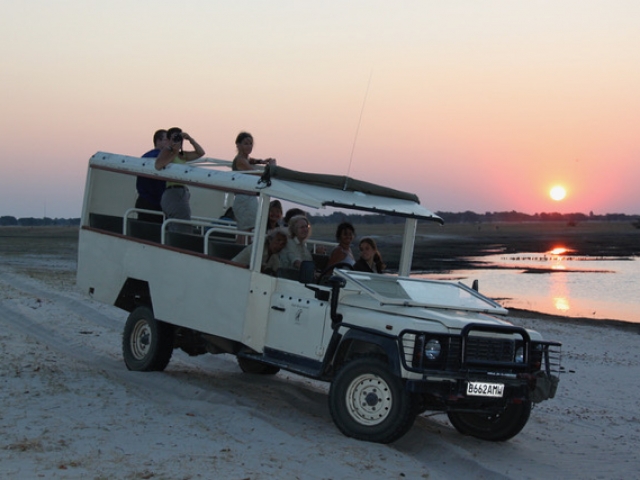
559	291
559	284
561	303
558	258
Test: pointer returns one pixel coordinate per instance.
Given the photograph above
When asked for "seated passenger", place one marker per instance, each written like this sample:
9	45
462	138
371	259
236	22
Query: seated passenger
275	215
370	259
296	250
345	234
273	245
292	212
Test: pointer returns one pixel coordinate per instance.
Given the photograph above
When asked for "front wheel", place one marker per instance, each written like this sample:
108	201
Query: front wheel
147	343
368	402
496	427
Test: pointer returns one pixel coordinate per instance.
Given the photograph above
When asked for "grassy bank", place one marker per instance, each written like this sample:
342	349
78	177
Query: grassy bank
58	241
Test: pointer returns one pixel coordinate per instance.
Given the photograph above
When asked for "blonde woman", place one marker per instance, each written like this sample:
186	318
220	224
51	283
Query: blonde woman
296	250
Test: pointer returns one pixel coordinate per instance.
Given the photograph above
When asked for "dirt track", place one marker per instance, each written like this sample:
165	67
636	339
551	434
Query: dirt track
72	410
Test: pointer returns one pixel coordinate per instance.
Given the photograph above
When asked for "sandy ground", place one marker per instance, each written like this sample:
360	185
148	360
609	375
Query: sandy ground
70	409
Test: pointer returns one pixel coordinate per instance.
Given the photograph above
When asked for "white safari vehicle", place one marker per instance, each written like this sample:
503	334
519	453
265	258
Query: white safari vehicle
391	346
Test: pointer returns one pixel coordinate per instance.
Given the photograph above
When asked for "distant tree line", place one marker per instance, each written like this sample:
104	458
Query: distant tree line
513	216
8	221
359	219
473	217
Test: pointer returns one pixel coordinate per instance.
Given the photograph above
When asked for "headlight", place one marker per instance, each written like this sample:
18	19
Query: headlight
432	349
519	358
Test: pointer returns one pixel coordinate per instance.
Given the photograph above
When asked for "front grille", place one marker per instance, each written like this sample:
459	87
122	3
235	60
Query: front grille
484	349
495	353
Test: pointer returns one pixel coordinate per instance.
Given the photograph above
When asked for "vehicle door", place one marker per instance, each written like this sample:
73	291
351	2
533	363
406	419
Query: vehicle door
299	323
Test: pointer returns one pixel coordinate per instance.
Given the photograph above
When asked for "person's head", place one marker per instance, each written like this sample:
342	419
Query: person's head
244	143
276	240
174	137
369	252
293	212
160	138
299	227
275	213
345	233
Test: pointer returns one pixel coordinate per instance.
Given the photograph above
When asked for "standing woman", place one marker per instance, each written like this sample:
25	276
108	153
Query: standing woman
245	207
175	199
370	259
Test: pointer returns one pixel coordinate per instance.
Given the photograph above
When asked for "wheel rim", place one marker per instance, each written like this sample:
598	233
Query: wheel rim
369	399
140	339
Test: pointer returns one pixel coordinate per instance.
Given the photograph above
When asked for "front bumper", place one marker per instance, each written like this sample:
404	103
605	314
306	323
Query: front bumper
497	354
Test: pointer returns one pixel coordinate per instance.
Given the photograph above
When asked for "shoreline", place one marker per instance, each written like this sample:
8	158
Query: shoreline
583	321
440	251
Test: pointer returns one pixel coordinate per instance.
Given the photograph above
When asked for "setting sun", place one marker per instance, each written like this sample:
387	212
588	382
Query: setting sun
557	193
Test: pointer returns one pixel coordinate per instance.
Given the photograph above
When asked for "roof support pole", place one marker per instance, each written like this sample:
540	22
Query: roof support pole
408	242
260	231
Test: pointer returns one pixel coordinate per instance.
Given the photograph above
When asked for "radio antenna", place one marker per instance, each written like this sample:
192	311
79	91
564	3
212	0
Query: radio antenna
355	138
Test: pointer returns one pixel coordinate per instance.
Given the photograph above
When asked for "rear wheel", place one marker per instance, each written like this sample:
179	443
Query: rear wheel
496	427
248	365
147	343
368	402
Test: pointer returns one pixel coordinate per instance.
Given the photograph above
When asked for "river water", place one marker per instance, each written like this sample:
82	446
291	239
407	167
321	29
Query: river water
558	283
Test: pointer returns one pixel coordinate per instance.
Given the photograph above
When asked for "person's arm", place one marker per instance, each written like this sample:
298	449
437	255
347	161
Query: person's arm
198	150
337	256
266	161
243	163
165	157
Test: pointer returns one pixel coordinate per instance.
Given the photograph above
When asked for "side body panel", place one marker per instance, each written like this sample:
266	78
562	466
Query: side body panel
186	290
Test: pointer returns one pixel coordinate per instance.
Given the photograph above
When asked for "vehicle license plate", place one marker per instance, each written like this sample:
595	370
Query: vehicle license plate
481	389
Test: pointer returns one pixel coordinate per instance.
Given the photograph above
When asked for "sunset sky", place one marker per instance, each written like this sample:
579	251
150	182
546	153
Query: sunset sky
472	105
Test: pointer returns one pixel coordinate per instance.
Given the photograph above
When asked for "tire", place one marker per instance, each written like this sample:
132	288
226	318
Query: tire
147	343
368	402
248	365
495	427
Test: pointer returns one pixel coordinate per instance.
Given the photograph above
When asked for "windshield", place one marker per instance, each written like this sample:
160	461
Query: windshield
393	290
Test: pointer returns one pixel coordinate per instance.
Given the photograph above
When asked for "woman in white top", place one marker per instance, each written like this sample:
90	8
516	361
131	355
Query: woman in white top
245	207
345	233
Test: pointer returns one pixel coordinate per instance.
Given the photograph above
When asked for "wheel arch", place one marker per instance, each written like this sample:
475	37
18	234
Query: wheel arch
357	343
134	293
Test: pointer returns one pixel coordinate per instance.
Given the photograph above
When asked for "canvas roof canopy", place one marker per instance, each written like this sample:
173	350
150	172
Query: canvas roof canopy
309	189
